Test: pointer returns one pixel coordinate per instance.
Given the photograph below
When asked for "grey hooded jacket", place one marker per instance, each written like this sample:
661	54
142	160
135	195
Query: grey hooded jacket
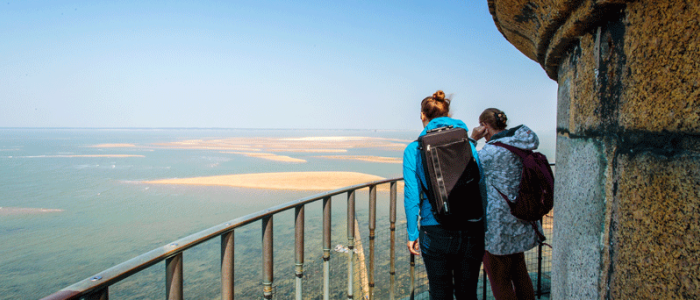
502	169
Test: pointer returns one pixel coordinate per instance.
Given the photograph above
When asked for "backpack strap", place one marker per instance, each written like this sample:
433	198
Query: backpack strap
423	193
540	237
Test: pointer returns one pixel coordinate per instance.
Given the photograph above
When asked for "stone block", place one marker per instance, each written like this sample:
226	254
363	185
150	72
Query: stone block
662	46
656	241
579	211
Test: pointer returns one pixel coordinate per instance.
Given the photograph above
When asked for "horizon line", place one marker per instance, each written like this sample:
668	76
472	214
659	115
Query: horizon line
203	128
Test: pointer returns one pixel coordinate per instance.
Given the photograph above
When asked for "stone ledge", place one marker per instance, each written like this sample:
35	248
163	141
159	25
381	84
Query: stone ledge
544	30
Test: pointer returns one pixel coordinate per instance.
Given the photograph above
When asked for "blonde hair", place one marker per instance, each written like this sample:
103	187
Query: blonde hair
435	106
494	117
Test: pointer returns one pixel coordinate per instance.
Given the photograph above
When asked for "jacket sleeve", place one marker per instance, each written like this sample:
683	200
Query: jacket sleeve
411	197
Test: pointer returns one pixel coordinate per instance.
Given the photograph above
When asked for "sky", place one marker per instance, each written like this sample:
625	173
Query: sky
260	64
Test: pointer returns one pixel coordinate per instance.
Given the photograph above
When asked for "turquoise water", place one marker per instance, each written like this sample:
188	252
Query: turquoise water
109	216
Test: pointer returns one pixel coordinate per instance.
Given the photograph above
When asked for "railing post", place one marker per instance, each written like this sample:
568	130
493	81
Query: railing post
299	248
326	247
539	270
227	257
483	285
173	277
351	241
412	271
267	257
372	226
392	228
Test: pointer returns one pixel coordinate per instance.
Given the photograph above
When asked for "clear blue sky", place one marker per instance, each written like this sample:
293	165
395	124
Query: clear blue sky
259	64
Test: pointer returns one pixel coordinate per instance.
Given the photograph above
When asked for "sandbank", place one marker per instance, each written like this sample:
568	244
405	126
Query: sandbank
378	159
113	146
269	156
306	181
8	211
321	144
309	150
547	220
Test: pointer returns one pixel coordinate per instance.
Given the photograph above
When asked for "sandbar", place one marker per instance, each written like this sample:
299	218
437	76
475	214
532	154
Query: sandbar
377	159
113	146
299	181
309	150
321	144
269	156
8	211
547	222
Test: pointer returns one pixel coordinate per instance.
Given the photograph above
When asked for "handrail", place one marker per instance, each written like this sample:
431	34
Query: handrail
96	286
102	280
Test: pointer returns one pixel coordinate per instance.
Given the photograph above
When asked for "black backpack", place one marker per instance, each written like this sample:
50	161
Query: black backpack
453	176
536	191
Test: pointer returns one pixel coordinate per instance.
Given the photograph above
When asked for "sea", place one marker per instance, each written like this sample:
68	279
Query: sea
80	209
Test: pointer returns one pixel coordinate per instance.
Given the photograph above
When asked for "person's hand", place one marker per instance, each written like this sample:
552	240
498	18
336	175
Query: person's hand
413	247
478	132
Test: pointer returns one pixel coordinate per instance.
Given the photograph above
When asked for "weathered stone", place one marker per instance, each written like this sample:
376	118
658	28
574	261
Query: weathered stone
627	195
657	222
662	45
578	274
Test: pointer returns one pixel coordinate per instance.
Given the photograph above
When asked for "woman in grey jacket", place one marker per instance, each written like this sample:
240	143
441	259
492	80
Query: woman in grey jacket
507	238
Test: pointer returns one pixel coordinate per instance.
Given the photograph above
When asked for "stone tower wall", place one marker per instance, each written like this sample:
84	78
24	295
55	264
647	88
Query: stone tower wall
627	189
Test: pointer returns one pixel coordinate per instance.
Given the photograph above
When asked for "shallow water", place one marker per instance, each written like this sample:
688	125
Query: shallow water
108	216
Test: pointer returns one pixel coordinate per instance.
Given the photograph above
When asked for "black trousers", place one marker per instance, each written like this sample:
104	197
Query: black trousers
452	260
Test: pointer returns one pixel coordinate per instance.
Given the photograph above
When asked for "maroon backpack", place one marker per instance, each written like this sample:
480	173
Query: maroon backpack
536	192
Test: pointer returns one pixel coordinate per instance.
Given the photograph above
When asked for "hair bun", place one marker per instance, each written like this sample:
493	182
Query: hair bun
501	119
439	95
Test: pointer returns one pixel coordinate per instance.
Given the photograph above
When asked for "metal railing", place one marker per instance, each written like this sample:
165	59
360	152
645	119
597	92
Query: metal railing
97	286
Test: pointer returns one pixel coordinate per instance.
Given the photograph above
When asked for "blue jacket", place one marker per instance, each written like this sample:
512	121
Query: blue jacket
413	174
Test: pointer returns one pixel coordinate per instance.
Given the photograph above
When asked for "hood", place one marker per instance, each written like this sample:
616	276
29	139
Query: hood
521	137
442	122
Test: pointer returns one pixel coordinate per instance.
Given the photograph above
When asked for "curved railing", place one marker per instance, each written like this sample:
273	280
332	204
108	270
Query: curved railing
97	286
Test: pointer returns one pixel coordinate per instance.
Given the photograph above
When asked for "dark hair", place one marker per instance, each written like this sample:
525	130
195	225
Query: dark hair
494	117
435	106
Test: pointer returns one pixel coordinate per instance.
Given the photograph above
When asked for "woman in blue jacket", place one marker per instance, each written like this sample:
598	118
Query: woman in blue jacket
452	257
